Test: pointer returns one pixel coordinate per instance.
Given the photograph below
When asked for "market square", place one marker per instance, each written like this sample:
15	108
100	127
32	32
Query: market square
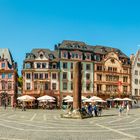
36	124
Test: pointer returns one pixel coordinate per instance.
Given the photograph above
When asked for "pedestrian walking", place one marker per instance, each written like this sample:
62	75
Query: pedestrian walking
5	105
120	110
99	110
23	106
90	109
95	110
127	109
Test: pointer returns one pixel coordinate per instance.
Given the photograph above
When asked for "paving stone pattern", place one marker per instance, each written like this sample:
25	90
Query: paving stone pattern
47	125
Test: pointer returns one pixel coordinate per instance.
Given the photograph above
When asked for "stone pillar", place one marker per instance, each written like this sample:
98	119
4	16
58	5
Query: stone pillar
77	86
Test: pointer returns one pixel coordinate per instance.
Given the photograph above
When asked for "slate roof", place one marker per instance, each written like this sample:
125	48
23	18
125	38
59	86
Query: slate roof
104	49
76	45
68	44
7	55
35	53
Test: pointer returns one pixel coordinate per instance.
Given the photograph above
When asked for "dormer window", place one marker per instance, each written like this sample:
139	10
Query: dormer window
88	56
98	58
54	66
102	49
76	55
51	56
27	65
41	56
73	55
84	47
65	55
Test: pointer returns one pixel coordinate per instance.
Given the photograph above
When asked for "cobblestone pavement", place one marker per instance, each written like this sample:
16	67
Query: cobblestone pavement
47	125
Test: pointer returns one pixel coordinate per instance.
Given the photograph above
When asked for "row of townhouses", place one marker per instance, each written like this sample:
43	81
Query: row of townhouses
106	72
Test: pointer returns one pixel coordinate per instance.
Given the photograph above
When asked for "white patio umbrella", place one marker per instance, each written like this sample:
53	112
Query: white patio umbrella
26	98
109	99
101	101
118	99
84	98
88	101
43	100
127	99
68	101
67	97
95	98
51	100
71	98
46	97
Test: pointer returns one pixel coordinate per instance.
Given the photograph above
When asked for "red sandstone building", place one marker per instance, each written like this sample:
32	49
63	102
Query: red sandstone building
8	78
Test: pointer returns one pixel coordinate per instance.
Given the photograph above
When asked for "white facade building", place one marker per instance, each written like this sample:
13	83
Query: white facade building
135	75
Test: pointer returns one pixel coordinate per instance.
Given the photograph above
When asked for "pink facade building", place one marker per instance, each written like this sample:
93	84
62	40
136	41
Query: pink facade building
8	78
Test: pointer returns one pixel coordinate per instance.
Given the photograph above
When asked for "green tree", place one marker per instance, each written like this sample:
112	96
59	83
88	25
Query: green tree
20	81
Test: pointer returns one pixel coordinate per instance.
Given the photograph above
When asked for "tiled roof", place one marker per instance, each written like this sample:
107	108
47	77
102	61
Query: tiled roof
4	52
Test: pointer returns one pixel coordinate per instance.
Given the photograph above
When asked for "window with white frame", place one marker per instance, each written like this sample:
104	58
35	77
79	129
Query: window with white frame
53	86
54	76
43	65
9	85
46	86
3	65
64	65
64	75
46	75
3	75
88	67
28	86
38	65
9	75
136	72
35	75
88	86
87	76
40	75
28	75
64	85
136	81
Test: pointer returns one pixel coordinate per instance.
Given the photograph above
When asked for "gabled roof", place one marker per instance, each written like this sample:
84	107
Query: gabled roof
5	52
135	58
35	53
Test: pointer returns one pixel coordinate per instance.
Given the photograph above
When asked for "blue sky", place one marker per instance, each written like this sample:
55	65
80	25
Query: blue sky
27	24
